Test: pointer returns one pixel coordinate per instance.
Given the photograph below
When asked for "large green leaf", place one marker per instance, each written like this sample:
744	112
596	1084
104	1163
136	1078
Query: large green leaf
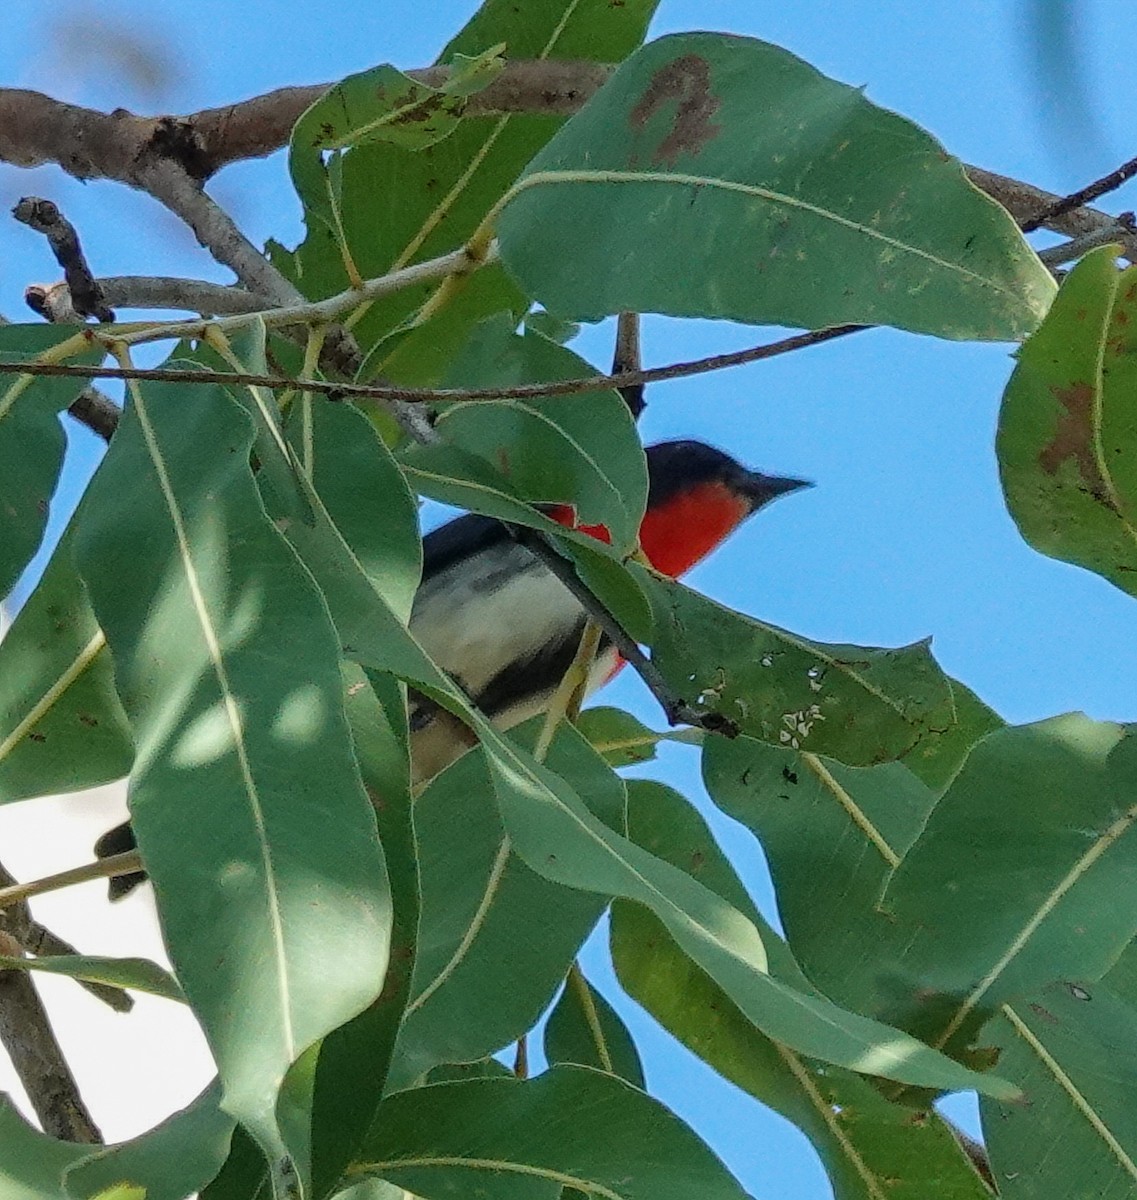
32	1164
571	1127
854	703
799	202
245	797
579	449
1022	873
1067	439
31	442
354	1063
445	190
832	835
62	727
870	1147
169	1162
495	939
1072	1048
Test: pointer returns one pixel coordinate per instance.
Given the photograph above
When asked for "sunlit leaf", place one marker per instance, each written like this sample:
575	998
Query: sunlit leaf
246	799
445	190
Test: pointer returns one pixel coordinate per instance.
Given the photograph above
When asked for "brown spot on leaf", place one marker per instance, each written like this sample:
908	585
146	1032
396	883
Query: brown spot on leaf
686	80
1073	438
1044	1013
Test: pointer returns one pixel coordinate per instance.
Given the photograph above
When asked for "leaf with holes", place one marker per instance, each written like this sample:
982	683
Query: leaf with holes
858	704
1067	441
793	198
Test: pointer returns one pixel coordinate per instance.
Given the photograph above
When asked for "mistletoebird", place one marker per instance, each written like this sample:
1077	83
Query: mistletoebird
497	620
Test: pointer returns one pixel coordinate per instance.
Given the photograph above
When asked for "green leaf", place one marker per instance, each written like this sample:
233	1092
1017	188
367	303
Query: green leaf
570	1127
355	1059
1022	872
364	492
1072	1047
169	1162
382	104
495	939
31	442
856	704
832	835
62	727
136	974
937	758
802	203
870	1147
622	739
246	800
32	1164
1067	441
584	1028
245	1175
582	450
445	190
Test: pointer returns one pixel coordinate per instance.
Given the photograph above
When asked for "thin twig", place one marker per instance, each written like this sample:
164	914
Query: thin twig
53	300
1024	201
44	217
103	868
626	357
1068	251
564	387
26	1033
1092	191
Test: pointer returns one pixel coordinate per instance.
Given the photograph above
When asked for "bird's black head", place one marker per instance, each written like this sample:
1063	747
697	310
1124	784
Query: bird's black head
676	467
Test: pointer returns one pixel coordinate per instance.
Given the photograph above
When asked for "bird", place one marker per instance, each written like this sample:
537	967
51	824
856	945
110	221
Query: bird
506	629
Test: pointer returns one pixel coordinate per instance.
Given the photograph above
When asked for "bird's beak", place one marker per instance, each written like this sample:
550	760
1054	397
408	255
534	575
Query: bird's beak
761	489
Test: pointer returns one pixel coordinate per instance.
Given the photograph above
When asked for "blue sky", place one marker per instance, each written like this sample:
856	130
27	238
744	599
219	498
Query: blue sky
905	535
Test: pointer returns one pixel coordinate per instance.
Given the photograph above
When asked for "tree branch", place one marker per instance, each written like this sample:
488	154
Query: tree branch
26	1033
87	144
524	391
87	297
53	300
